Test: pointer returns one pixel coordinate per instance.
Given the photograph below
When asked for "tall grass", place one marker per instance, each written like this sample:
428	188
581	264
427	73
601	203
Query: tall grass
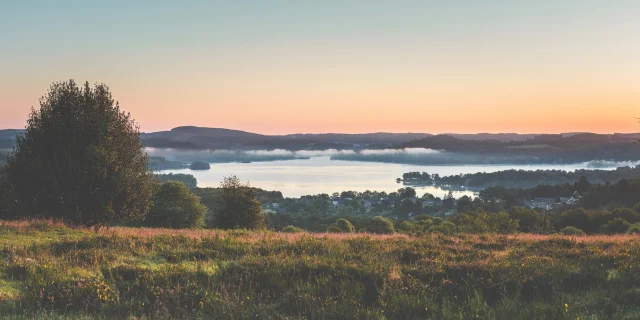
50	271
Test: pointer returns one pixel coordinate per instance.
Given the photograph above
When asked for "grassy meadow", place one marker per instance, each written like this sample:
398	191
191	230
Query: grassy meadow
49	271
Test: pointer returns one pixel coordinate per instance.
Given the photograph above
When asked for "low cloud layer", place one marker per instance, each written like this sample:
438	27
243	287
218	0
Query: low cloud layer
281	154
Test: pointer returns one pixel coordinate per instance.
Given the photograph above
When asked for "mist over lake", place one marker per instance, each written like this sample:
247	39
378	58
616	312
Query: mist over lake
295	178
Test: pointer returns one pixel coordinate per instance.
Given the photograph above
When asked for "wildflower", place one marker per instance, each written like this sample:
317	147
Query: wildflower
566	307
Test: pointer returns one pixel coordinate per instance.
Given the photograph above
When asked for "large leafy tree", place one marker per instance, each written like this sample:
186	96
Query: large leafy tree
175	206
237	206
80	159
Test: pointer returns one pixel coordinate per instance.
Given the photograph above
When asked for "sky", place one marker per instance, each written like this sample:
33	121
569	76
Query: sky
350	66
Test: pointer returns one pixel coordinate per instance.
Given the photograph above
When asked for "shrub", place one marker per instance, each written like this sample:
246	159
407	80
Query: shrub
528	219
408	227
617	225
292	229
578	218
345	225
334	229
481	221
175	206
501	223
571	231
446	227
634	229
627	214
381	225
237	206
472	222
81	159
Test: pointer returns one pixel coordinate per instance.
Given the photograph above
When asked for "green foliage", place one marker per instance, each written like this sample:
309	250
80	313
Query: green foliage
617	225
634	228
345	225
482	222
578	218
445	227
626	214
571	231
334	229
237	206
80	159
501	223
408	227
292	229
381	225
528	220
188	179
175	206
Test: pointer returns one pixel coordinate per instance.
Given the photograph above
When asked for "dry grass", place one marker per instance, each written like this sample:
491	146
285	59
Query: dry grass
248	236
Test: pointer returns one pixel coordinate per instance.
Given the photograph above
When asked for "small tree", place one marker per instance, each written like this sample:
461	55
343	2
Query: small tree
345	225
80	159
237	206
176	207
446	227
617	225
381	225
571	231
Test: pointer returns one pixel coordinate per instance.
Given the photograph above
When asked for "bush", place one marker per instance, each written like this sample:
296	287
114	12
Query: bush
381	225
627	214
408	227
578	218
80	159
615	226
334	229
472	222
501	223
292	229
634	229
528	219
175	206
237	206
345	225
571	231
446	227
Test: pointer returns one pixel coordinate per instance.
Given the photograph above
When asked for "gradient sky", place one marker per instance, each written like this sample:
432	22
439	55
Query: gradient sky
334	66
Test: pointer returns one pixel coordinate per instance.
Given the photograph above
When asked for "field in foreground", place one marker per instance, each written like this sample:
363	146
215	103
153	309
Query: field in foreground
49	271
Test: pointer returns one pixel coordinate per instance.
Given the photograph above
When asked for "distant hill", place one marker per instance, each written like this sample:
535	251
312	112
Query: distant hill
545	148
572	146
368	139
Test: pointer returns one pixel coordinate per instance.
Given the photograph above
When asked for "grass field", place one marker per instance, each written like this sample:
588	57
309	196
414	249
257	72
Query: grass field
49	271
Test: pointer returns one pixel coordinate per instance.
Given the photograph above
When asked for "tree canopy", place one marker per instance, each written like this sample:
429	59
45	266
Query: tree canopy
176	207
80	159
237	206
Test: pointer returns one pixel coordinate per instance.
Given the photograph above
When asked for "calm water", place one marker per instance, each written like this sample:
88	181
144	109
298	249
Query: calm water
295	178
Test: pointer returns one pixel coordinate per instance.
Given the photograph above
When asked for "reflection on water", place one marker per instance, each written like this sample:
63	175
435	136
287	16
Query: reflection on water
295	178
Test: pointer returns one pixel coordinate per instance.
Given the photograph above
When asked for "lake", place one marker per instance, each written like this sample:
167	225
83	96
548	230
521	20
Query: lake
295	178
